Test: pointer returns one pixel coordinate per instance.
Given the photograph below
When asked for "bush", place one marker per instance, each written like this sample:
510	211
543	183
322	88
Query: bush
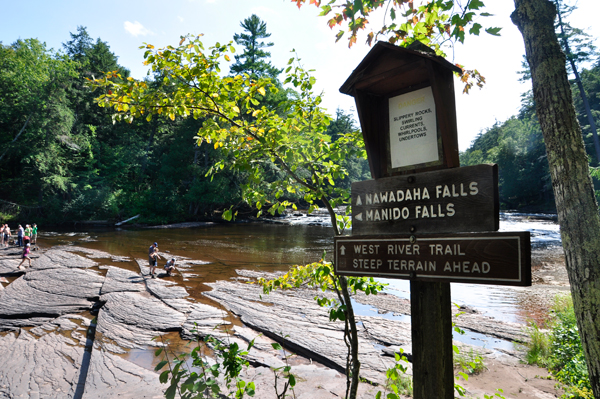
539	346
560	350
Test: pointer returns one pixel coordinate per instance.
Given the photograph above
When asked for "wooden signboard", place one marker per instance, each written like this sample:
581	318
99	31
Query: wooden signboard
406	107
500	258
459	199
412	223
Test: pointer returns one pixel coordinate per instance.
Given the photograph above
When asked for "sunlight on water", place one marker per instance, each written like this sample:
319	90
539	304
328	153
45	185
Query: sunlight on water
496	301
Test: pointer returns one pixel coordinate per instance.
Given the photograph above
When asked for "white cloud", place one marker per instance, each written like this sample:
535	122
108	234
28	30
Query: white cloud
137	29
180	18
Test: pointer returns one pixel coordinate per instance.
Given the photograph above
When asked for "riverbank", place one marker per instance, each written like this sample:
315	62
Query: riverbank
56	301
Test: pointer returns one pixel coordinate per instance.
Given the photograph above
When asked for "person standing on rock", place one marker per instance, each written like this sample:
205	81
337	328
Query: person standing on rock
34	234
20	232
6	235
151	258
3	236
26	250
155	257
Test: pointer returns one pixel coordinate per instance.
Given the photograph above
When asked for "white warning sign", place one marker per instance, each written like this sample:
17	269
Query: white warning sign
413	128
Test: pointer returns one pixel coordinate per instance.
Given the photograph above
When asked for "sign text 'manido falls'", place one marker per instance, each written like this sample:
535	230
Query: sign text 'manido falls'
487	258
459	199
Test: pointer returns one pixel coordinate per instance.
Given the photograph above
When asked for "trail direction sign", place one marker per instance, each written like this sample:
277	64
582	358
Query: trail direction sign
458	199
500	258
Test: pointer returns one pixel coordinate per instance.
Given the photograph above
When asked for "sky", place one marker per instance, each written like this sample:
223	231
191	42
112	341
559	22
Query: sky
125	25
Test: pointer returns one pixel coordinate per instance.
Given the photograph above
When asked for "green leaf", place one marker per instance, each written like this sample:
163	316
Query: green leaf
170	392
475	4
494	31
160	365
250	389
164	376
475	29
276	346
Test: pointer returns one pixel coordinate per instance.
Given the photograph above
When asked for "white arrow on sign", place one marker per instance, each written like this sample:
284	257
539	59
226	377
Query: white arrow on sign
359	217
342	250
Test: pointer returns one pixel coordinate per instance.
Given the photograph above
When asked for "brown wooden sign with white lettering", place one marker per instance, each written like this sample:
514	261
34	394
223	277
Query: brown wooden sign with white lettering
459	199
501	258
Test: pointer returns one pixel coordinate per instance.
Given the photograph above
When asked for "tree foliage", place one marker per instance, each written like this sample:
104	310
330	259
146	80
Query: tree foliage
254	139
517	146
254	59
437	24
62	158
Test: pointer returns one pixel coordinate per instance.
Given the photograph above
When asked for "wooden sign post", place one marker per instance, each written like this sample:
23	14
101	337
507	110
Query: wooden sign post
423	218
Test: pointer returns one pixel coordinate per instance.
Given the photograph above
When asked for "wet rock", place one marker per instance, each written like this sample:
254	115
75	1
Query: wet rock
468	309
111	376
121	280
54	258
93	253
385	303
293	317
489	326
471	320
132	319
204	320
63	323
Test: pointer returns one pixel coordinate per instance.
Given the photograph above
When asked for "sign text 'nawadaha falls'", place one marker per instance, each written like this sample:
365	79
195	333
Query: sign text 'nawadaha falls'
459	199
502	258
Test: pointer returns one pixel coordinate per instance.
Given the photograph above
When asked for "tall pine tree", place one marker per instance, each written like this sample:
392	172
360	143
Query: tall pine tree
253	60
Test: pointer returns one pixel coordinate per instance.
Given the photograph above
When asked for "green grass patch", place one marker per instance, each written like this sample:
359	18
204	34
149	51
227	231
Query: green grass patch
559	350
470	362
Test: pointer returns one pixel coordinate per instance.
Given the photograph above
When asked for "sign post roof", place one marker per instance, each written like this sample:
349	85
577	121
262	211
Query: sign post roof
388	71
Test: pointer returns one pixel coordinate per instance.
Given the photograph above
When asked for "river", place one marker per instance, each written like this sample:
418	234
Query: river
214	251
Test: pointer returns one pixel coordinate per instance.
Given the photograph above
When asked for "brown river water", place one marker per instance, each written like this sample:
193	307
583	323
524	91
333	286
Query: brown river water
215	251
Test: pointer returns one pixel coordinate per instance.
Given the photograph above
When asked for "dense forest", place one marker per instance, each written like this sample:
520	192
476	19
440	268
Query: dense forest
517	145
63	159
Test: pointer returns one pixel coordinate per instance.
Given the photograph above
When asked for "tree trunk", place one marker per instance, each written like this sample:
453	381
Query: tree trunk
354	362
573	191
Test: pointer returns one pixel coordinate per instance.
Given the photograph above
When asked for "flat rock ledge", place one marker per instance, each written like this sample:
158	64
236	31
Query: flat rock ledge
53	346
69	324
